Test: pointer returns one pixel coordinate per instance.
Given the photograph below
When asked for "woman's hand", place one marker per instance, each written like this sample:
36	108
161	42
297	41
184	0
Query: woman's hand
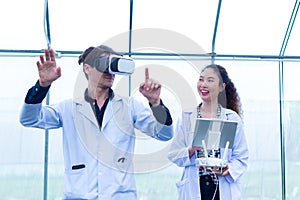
216	170
224	171
192	150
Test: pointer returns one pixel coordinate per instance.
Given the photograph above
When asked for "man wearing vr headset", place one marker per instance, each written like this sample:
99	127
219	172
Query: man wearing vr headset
98	127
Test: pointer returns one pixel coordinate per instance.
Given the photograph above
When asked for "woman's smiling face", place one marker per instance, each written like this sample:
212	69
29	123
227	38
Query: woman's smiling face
209	85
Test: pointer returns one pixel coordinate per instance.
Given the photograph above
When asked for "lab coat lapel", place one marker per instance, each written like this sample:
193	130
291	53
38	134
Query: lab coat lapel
189	117
193	120
84	108
114	106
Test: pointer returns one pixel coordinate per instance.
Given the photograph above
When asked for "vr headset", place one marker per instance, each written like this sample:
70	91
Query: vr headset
114	64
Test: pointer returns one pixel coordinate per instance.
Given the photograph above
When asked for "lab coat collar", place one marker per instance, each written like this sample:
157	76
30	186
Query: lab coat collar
84	107
112	110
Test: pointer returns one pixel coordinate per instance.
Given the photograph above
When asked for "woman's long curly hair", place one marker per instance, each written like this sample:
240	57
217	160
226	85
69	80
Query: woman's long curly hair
228	98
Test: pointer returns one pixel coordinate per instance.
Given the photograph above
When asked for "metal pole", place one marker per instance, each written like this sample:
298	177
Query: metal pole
46	150
129	45
215	33
281	97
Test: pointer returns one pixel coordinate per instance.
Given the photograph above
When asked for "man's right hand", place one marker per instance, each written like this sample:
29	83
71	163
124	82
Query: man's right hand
48	71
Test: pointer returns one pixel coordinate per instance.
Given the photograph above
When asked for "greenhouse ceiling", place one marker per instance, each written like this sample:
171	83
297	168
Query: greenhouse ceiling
233	28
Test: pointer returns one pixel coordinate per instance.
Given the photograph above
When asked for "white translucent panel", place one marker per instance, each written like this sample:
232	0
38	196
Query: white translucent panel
291	72
21	149
252	27
291	127
22	24
292	143
18	75
254	80
193	19
76	25
64	86
293	44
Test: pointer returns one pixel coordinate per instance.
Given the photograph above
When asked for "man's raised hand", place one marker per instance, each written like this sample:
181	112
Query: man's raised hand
48	71
151	89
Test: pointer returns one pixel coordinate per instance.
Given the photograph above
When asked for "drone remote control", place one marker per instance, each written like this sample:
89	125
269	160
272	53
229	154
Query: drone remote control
210	163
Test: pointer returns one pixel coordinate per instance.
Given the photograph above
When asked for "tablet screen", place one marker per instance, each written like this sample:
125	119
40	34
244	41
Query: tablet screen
214	132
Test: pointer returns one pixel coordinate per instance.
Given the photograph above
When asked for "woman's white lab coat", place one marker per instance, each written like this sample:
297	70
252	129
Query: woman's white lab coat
229	185
98	163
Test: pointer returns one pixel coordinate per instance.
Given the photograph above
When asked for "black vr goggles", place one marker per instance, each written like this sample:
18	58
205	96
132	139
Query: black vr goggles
114	64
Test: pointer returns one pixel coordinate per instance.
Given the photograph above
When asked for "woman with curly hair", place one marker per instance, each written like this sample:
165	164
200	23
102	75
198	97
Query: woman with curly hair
219	100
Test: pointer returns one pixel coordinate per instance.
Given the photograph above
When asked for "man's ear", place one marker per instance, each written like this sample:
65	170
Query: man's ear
86	68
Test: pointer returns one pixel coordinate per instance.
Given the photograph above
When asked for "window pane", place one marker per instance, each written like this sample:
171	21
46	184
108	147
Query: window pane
193	19
76	25
257	85
253	27
22	24
21	149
